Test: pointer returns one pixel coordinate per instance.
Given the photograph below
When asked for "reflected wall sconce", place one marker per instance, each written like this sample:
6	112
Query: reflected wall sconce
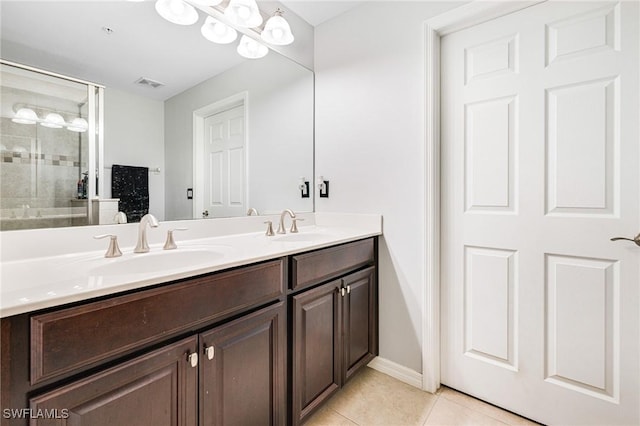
277	30
26	114
177	11
218	32
241	13
251	49
78	124
207	2
53	120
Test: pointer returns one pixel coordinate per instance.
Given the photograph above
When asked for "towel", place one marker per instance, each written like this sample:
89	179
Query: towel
131	185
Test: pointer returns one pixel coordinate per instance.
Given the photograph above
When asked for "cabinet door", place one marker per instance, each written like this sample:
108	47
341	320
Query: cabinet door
156	389
242	378
316	347
360	322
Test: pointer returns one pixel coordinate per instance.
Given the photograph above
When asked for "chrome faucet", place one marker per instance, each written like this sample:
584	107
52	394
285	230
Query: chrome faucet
251	211
143	246
281	229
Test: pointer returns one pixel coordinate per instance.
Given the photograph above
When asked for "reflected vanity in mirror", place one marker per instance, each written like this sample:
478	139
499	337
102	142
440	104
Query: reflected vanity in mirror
219	134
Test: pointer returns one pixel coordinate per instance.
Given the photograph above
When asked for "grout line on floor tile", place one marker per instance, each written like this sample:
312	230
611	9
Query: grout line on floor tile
346	417
485	403
437	395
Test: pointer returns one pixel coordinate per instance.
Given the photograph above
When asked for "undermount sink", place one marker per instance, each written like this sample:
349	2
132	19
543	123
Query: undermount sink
156	261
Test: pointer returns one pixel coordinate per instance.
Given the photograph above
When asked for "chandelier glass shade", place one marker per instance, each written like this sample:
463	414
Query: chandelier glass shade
177	11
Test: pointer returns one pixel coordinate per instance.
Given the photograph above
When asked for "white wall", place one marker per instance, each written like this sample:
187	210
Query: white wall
369	65
134	136
279	140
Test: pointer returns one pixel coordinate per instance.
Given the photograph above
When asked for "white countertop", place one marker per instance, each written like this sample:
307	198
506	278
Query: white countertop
29	283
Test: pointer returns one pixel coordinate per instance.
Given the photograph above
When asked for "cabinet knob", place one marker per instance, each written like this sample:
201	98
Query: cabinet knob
348	289
210	351
342	291
193	359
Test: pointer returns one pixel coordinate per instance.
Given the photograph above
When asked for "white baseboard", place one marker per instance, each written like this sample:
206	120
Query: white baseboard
397	371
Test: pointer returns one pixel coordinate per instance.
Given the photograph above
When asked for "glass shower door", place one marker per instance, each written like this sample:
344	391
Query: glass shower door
48	147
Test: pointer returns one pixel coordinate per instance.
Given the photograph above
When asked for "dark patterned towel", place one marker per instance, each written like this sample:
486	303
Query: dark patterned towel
131	185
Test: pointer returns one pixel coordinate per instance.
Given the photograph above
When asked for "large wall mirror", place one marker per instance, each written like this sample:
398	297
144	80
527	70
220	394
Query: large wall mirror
220	135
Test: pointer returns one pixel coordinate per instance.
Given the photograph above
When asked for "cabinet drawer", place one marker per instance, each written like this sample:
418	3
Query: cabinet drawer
80	337
322	265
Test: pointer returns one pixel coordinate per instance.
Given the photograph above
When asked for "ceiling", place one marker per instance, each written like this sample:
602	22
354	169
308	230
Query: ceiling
68	37
315	12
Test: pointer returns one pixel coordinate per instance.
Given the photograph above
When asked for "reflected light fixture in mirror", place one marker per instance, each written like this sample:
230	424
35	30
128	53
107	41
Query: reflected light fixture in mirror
217	32
251	49
243	13
277	30
79	125
53	120
207	2
25	116
177	12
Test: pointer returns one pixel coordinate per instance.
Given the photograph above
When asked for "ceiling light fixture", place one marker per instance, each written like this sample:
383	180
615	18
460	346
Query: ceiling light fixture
207	2
53	120
78	124
238	13
217	32
25	116
243	13
177	11
277	30
251	49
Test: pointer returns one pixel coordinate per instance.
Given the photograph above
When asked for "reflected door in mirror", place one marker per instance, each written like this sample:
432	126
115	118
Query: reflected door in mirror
224	163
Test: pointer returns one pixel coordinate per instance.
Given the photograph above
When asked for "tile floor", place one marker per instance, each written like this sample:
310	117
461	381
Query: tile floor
374	398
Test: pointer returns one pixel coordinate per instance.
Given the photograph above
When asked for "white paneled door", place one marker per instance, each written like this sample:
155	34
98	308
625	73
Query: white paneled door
540	158
224	163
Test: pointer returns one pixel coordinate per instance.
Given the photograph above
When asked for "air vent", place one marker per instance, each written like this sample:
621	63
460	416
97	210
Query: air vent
143	81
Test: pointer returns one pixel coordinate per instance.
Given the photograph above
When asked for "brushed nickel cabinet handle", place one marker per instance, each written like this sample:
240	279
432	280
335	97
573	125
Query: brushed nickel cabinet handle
210	351
193	359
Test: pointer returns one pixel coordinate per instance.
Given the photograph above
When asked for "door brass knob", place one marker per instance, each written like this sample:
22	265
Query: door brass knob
634	240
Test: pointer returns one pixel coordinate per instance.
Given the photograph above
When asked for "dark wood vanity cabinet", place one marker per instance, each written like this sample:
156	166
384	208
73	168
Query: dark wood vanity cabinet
316	364
209	350
157	389
242	374
263	344
334	333
239	367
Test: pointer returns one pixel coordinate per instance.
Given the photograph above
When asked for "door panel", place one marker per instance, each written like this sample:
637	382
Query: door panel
540	311
316	347
359	321
224	163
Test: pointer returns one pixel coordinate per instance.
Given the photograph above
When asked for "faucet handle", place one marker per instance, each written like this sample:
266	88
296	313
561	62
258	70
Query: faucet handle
120	217
170	244
113	250
294	226
269	232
